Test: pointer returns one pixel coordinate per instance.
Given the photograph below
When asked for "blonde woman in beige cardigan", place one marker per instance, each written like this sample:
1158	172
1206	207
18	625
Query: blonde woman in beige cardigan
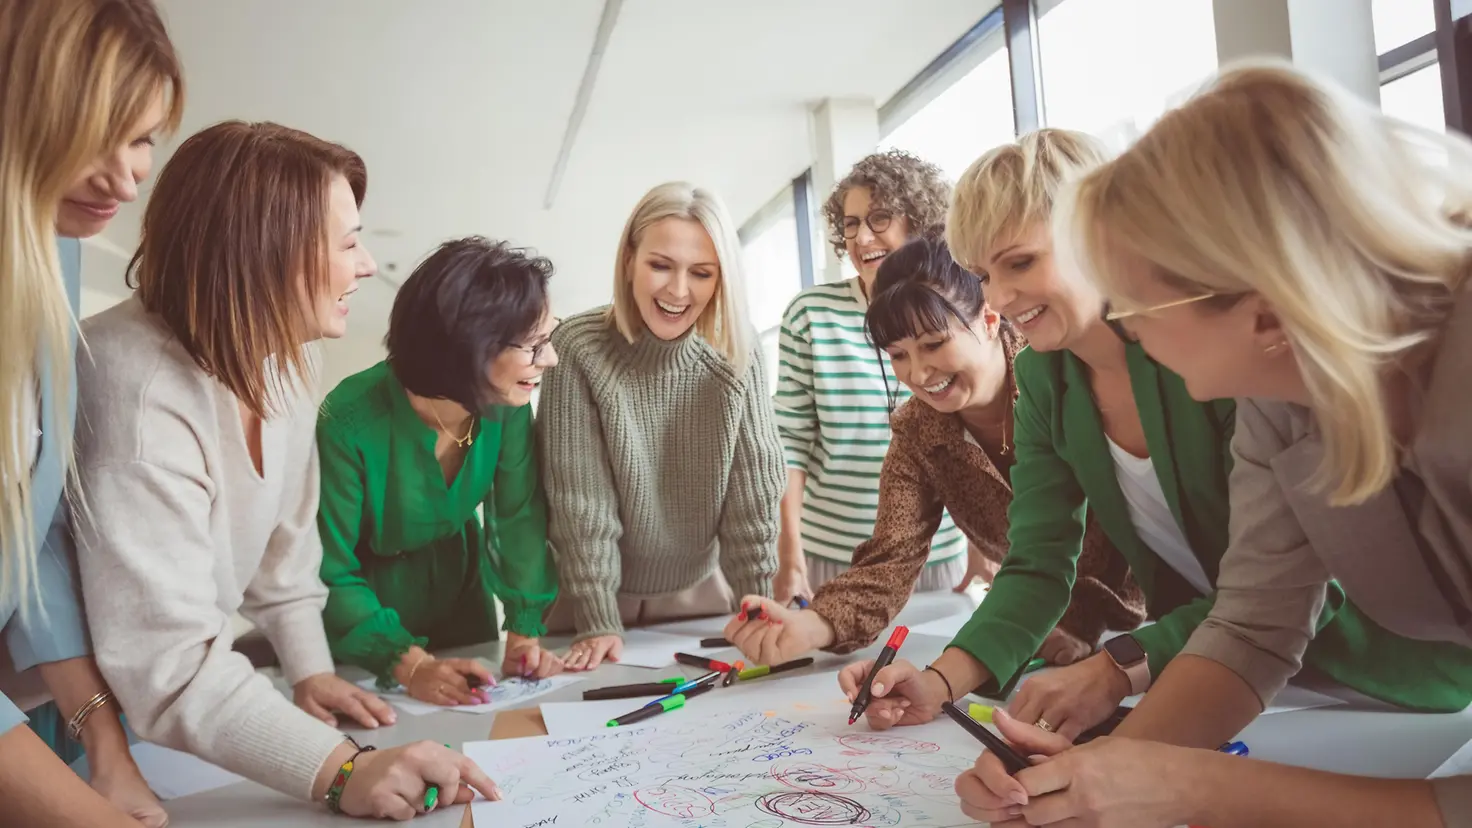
1279	241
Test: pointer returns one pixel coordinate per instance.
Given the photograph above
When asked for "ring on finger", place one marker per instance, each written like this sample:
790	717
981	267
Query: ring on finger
1042	724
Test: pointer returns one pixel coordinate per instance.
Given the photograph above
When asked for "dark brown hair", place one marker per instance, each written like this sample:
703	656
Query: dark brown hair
470	300
898	182
238	217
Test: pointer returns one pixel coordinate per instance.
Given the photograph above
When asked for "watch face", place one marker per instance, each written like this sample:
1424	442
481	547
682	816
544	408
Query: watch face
1124	649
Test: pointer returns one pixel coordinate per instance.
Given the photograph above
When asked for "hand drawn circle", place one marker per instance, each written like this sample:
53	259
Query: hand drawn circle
808	808
674	801
884	743
807	776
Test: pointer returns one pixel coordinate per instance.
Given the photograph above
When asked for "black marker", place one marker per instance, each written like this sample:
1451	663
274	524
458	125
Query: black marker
713	643
754	613
1011	759
886	655
630	691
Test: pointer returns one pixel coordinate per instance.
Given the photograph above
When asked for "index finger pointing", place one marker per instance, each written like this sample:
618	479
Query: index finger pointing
472	775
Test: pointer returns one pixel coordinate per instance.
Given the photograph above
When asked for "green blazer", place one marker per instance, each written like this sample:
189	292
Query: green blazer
1064	468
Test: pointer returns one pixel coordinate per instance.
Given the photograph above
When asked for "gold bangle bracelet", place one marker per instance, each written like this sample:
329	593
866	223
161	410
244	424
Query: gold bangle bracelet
79	719
409	679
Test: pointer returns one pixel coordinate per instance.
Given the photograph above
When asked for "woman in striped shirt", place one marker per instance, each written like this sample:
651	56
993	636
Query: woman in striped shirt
832	401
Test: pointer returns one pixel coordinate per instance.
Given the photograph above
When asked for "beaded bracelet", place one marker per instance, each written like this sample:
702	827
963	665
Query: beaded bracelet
344	773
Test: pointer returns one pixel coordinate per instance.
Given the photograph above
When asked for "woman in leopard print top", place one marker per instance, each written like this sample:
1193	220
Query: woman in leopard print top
951	449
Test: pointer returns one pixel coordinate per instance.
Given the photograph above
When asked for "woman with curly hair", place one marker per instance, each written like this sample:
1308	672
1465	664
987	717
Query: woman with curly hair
833	392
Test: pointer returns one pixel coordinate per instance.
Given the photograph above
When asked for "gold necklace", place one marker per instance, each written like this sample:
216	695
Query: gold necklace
462	442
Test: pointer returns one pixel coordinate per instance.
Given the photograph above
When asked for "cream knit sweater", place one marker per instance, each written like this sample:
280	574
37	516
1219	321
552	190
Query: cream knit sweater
182	534
660	463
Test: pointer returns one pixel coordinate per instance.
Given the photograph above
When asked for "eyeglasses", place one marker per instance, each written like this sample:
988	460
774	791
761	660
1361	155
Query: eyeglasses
1112	317
1115	316
878	221
536	351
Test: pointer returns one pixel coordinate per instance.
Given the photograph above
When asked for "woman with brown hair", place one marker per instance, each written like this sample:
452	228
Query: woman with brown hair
85	85
201	478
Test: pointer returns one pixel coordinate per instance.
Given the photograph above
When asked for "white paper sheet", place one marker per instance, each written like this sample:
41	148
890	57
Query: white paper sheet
1459	764
943	627
172	774
791	761
582	717
646	648
507	693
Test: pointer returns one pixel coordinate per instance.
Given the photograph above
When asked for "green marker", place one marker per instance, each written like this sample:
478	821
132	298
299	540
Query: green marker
1035	664
981	712
649	711
432	796
766	669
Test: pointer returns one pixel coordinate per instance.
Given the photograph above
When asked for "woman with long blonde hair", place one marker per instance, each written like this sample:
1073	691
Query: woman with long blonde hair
85	86
1277	240
659	449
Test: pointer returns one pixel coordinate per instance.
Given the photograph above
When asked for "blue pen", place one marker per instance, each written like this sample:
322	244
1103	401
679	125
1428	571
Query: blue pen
1234	748
708	678
802	603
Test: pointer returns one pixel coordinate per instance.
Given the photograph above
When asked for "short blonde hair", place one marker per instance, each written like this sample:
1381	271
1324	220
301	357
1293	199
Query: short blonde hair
1012	187
724	322
1350	224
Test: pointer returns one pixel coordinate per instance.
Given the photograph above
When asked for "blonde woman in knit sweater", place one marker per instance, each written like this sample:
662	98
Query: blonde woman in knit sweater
660	456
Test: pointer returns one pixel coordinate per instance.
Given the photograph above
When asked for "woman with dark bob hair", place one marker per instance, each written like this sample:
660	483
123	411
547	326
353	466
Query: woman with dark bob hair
411	451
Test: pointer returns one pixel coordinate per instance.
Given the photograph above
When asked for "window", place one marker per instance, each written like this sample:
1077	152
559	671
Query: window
970	117
773	272
1416	98
1112	67
1398	22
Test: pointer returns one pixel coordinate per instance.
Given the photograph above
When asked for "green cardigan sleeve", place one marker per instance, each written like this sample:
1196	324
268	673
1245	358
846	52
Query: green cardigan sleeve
522	573
360	630
1031	591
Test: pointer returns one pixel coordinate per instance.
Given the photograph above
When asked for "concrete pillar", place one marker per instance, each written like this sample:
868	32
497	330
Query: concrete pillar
1333	38
843	132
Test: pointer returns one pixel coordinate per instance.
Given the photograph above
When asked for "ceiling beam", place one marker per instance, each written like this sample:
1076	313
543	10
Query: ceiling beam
585	94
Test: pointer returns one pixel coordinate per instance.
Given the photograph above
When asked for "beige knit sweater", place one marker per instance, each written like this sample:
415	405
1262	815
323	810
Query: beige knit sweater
182	534
660	463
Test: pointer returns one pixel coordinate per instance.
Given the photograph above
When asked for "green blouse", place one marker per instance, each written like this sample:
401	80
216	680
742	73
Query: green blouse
384	497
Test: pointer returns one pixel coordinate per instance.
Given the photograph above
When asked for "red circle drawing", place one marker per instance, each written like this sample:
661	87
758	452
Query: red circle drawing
674	801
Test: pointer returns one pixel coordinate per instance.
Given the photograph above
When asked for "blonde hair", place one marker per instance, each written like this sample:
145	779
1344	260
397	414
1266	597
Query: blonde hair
723	323
1350	224
1013	187
77	76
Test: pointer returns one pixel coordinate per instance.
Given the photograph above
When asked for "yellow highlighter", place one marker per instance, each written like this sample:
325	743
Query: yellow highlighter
981	712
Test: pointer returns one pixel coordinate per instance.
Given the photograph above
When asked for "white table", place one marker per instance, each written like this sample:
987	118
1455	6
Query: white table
1364	737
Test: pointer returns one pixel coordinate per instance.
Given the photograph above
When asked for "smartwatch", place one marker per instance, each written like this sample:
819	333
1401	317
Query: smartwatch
1130	658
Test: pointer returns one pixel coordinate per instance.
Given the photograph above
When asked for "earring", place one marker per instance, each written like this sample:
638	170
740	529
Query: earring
1273	348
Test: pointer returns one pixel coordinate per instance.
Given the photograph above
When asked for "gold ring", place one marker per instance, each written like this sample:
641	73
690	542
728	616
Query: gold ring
1042	724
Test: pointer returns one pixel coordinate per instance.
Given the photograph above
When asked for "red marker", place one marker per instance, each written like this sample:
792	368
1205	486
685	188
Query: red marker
702	662
886	655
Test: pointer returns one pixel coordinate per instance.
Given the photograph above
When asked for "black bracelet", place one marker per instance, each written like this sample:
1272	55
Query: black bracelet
950	694
344	773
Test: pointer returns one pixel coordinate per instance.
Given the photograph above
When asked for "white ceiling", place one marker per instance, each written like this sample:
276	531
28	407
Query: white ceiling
459	106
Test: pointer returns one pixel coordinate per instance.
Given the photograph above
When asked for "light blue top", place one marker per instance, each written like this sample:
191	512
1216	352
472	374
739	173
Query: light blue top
52	628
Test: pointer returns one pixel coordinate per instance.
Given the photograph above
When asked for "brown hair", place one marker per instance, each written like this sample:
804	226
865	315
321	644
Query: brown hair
76	76
239	215
899	182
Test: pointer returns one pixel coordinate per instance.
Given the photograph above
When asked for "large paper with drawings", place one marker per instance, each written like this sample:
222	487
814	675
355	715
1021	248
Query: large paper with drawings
792	763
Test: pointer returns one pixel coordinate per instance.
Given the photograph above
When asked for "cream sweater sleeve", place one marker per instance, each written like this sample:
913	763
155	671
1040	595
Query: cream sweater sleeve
164	645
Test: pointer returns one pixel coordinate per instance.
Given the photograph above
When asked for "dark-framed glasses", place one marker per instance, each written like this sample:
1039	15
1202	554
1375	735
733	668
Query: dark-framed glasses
878	221
536	349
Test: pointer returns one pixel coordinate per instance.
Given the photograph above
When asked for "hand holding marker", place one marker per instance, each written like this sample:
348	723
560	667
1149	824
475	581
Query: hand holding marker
886	655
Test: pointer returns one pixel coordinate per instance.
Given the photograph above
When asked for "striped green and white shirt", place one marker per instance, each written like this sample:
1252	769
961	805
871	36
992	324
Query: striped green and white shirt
833	417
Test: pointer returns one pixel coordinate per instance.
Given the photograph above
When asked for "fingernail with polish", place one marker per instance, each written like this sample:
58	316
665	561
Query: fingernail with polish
876	689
